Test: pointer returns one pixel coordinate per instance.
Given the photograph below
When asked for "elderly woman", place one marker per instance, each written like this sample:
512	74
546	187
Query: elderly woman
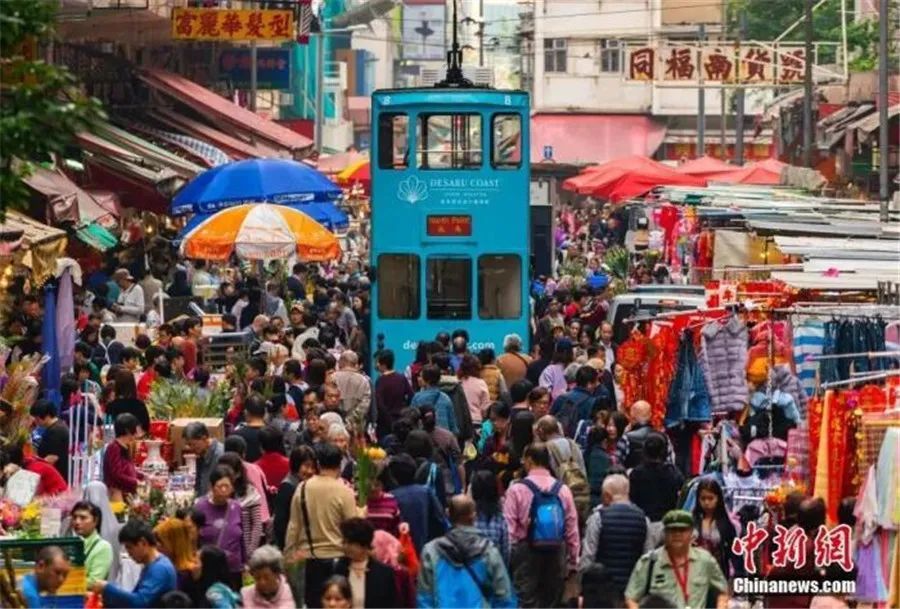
340	437
270	589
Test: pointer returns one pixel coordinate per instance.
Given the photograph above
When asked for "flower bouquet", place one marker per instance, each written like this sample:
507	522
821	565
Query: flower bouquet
30	521
10	514
366	461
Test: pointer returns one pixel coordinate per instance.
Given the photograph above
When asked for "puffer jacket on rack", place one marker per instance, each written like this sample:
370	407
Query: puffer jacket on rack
723	359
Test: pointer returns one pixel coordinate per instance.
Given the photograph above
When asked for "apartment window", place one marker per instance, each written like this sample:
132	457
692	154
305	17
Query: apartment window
555	54
609	53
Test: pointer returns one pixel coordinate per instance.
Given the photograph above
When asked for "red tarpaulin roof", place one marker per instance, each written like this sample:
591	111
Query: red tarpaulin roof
594	138
219	109
766	172
628	177
705	166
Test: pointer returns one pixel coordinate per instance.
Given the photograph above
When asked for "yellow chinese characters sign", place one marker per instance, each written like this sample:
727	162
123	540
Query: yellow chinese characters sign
216	24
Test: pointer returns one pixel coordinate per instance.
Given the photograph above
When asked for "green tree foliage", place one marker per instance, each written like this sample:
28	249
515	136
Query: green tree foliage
767	19
41	107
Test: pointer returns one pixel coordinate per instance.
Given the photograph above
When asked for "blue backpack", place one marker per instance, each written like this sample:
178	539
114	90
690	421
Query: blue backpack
547	526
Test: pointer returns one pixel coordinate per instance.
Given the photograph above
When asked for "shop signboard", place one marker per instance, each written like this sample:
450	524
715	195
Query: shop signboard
234	25
273	68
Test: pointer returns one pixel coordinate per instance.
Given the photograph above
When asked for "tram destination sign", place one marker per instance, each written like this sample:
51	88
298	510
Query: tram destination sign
449	226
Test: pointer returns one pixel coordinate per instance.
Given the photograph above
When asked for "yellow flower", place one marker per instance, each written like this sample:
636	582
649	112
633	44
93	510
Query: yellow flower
32	511
118	507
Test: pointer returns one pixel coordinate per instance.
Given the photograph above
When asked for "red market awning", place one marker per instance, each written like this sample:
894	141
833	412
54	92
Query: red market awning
706	167
627	177
766	173
219	109
232	146
65	202
594	138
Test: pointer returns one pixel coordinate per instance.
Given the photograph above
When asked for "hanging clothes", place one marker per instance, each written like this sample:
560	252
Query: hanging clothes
688	395
723	358
784	380
632	356
809	340
660	371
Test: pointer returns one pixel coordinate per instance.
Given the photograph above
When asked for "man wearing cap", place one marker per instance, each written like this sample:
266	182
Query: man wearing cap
681	574
130	304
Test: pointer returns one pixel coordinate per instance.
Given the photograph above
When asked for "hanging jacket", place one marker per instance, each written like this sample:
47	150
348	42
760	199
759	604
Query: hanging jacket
723	359
787	382
688	396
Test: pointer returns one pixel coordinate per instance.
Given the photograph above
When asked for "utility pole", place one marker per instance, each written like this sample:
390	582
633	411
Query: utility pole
481	34
320	86
739	101
252	102
723	94
883	59
701	98
808	86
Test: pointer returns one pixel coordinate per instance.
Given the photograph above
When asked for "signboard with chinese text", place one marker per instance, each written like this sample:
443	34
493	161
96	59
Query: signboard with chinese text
723	63
680	63
718	64
449	226
790	64
273	68
757	64
226	24
424	30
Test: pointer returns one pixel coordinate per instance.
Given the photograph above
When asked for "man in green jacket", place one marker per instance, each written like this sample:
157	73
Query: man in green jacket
98	553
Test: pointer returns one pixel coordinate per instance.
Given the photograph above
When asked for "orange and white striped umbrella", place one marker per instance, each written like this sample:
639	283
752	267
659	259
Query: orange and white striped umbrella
260	232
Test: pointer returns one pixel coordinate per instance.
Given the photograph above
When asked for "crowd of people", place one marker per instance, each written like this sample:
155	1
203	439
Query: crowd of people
512	479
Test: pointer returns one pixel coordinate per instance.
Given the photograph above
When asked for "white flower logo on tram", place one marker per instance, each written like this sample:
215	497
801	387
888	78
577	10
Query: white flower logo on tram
412	190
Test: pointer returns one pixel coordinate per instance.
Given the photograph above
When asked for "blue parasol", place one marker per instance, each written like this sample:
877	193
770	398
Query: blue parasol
254	181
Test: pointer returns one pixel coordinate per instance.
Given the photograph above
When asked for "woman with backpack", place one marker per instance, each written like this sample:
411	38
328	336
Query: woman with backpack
489	518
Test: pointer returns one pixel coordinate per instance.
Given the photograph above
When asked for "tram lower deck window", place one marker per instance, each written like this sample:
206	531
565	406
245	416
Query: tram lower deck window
499	286
398	286
449	288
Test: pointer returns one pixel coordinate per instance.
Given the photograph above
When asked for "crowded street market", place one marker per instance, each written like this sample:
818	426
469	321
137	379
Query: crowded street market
240	367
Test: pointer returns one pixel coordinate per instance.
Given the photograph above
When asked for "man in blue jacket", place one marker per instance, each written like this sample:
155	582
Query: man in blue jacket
51	567
157	575
463	568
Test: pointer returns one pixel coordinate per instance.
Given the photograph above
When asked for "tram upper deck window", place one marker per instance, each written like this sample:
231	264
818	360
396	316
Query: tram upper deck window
449	288
449	141
499	286
506	140
398	286
393	141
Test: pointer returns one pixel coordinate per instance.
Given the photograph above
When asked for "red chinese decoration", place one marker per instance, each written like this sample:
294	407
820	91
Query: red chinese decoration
680	64
747	545
640	66
833	547
790	547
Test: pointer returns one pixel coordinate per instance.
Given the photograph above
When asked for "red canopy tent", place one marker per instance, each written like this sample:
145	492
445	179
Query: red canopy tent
706	167
766	172
628	177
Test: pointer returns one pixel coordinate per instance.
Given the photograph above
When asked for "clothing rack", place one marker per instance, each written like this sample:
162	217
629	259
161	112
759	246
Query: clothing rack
866	354
862	379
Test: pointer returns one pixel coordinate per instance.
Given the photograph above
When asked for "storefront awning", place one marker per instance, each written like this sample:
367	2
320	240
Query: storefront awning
219	109
66	202
36	245
869	125
232	146
594	138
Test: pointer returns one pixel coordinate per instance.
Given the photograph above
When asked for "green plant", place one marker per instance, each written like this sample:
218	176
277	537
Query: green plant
41	107
178	400
619	262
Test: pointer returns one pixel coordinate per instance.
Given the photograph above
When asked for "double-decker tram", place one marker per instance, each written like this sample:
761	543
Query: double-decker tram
450	214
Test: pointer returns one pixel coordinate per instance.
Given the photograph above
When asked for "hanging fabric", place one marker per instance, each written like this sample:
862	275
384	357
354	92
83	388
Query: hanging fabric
688	395
723	359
